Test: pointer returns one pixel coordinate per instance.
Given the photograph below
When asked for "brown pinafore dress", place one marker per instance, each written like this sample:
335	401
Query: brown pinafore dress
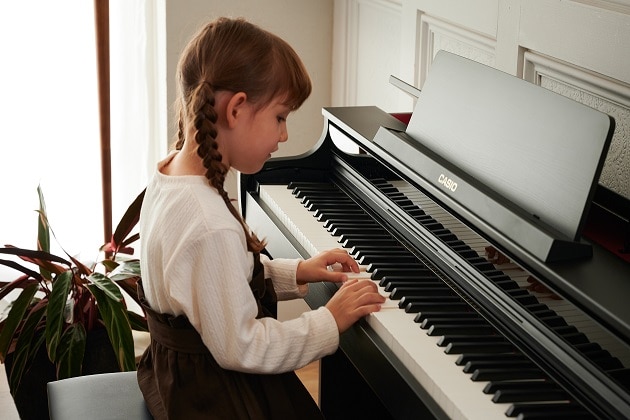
180	379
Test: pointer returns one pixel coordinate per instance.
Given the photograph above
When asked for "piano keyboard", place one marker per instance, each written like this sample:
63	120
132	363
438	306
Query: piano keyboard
428	353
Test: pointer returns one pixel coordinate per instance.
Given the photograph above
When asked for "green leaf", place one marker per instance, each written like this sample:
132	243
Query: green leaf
55	312
25	347
116	322
127	223
43	232
71	351
125	270
20	283
138	322
14	382
15	317
106	285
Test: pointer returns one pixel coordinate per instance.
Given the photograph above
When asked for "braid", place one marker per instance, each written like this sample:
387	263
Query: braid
180	131
204	118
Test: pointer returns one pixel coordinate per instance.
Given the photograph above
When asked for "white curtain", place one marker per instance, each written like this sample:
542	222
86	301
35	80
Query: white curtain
138	110
49	119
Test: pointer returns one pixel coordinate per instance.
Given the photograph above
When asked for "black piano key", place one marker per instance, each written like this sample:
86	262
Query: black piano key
433	225
372	259
421	316
445	340
481	264
473	319
412	266
398	291
576	338
463	359
355	219
570	415
332	208
350	240
424	276
473	365
368	252
437	330
432	303
476	347
490	374
355	250
526	299
416	307
507	284
322	212
415	212
621	375
335	204
603	359
379	273
547	410
398	258
504	396
446	237
338	231
389	283
587	347
467	252
541	384
326	199
297	185
553	321
330	219
384	243
325	193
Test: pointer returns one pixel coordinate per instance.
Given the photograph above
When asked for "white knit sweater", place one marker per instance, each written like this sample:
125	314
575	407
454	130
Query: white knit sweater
195	262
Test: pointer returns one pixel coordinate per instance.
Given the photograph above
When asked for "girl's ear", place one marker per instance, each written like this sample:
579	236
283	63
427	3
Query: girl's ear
236	108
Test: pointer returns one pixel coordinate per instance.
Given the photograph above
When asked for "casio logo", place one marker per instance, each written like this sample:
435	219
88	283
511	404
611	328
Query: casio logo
448	183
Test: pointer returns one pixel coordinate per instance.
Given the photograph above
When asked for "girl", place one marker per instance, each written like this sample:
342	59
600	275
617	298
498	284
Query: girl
215	350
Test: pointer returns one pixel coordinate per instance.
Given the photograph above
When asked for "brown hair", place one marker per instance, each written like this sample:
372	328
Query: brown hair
236	56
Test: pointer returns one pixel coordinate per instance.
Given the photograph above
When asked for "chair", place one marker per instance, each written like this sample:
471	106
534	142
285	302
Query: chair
97	397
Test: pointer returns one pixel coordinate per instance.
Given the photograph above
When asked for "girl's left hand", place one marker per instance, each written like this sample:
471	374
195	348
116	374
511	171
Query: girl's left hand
316	268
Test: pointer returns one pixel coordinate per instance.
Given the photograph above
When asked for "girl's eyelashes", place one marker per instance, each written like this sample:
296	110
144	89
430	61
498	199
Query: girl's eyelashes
281	119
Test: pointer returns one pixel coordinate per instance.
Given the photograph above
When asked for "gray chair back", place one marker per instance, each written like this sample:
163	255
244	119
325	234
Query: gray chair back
105	396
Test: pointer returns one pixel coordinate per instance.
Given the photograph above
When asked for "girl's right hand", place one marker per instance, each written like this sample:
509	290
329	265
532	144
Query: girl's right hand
354	300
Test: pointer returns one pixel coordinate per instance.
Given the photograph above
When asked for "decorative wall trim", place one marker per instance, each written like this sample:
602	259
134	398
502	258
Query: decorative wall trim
436	34
604	94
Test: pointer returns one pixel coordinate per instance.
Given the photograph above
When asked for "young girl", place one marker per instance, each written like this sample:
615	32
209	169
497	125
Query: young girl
215	350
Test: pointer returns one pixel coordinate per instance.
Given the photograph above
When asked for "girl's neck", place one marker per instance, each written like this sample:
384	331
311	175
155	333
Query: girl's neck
184	162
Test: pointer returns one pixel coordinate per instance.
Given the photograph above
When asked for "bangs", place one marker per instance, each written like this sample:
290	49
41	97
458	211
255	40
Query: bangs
291	80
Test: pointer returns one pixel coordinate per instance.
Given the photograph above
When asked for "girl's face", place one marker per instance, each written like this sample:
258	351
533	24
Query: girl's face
255	135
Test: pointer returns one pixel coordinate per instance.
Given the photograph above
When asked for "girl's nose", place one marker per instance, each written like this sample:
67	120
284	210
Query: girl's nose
284	136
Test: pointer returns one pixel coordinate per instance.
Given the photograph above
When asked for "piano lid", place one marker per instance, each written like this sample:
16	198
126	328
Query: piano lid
523	160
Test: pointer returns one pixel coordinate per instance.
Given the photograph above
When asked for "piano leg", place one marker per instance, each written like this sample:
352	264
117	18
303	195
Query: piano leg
344	393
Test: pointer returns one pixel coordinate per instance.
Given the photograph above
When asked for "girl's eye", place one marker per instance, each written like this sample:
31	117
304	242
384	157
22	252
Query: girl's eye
281	119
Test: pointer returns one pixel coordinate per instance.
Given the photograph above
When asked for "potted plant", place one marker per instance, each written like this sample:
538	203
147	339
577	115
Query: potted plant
62	305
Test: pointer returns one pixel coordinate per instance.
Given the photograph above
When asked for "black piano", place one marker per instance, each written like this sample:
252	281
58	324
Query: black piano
499	306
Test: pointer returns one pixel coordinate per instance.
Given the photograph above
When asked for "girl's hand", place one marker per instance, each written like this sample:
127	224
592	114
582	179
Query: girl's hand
354	300
316	268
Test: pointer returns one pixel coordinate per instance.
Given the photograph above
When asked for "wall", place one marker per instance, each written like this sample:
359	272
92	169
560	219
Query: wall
580	49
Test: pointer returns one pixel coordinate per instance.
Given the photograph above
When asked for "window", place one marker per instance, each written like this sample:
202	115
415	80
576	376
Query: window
49	118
